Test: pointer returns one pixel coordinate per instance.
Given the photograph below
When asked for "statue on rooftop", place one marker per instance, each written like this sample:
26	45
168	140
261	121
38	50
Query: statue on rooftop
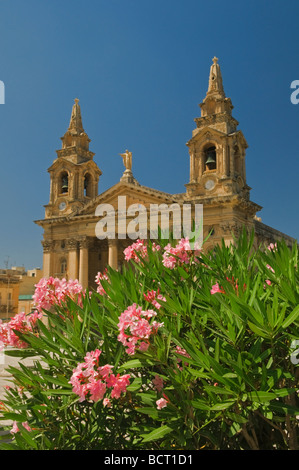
127	159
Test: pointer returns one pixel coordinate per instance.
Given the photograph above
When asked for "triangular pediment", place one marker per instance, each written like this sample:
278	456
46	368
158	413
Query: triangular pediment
207	133
133	193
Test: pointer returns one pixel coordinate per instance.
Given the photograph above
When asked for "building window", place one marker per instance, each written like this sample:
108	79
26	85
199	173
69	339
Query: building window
63	266
210	158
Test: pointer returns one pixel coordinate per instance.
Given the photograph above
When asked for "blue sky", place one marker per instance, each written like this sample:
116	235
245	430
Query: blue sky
140	69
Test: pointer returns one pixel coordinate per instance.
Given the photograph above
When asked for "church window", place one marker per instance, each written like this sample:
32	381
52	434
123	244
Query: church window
210	158
63	266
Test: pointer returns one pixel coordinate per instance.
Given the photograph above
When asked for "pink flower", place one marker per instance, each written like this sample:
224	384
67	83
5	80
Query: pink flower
181	254
270	268
90	380
158	383
107	403
99	278
267	281
135	328
155	247
97	389
54	291
20	322
183	353
151	297
119	384
272	247
136	251
15	428
143	346
161	403
216	289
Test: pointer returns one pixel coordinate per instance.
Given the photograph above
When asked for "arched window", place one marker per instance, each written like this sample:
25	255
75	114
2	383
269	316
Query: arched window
64	182
63	266
210	158
87	185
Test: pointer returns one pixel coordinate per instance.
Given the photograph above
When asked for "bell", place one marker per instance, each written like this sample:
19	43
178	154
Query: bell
210	159
65	188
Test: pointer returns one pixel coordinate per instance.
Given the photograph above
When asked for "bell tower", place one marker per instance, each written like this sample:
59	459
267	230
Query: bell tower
74	176
217	166
217	148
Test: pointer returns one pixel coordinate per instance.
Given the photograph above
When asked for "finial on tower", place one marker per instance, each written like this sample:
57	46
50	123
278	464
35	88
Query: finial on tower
215	79
76	125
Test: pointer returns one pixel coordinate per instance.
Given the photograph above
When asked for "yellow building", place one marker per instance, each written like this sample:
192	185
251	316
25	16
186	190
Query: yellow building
217	181
28	280
9	294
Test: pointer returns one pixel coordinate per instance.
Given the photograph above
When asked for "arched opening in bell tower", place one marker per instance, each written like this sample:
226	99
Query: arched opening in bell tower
64	182
210	158
88	185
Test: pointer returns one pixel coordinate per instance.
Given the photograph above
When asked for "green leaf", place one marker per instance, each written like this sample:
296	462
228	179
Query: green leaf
263	396
28	437
291	318
259	331
157	434
223	405
58	391
135	385
150	411
200	405
135	364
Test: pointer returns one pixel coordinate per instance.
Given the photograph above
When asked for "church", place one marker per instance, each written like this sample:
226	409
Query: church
217	151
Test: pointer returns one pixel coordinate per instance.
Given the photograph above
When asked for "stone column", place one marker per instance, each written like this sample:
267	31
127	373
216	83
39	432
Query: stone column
201	165
243	167
73	259
113	253
192	165
232	163
48	247
224	159
83	262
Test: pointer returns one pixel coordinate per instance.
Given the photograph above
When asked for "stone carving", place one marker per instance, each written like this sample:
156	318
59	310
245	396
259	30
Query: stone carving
48	245
231	228
71	244
85	242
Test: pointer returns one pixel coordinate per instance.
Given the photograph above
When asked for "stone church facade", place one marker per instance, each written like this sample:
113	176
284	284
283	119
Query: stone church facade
217	150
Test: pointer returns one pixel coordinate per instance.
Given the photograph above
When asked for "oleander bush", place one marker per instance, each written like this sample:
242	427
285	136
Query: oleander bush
180	350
